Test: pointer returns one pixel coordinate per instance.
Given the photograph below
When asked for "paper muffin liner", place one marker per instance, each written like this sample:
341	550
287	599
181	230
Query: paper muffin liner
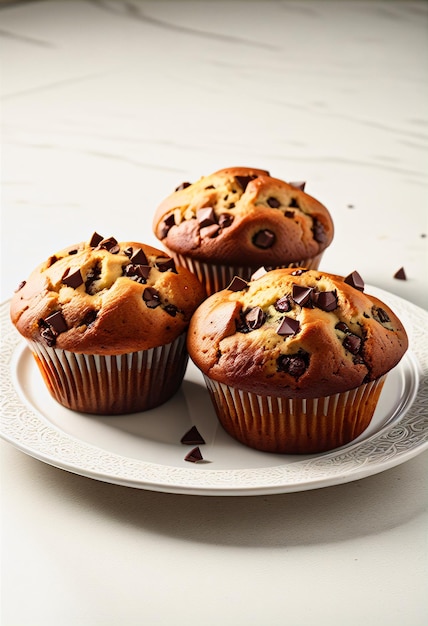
293	425
217	277
112	385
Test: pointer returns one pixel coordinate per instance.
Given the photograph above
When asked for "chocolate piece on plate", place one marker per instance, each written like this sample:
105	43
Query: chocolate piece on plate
194	455
400	274
193	437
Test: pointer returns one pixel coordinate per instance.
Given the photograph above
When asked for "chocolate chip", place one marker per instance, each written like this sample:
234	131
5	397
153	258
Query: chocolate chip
192	437
293	364
138	257
318	231
171	309
302	295
95	240
283	304
21	285
89	318
51	260
70	252
167	224
355	280
237	284
400	274
255	318
264	239
289	214
205	216
380	315
225	220
352	343
57	322
325	300
244	180
110	244
163	264
151	297
288	326
48	336
194	455
273	203
208	232
210	187
139	273
93	274
293	203
128	251
298	184
182	186
73	280
342	327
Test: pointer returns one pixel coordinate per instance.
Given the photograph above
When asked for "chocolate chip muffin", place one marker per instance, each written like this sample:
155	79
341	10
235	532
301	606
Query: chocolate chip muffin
107	322
295	359
238	219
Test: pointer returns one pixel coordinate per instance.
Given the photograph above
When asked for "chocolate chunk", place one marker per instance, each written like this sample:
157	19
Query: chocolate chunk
49	336
380	315
93	275
128	251
231	205
192	437
264	239
318	231
300	184
167	224
194	455
302	295
255	318
400	274
355	280
73	280
288	326
208	232
57	322
273	203
293	364
139	273
283	304
343	327
244	180
151	297
165	263
210	187
205	216
89	318
138	257
171	309
293	203
325	300
352	343
259	273
182	186
51	260
225	220
289	214
70	252
21	285
110	244
237	284
95	240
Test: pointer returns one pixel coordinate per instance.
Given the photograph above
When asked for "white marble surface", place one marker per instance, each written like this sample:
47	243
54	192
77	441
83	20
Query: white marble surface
106	107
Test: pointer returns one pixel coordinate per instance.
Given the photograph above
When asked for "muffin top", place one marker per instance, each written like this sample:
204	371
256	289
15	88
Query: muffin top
295	333
106	297
243	216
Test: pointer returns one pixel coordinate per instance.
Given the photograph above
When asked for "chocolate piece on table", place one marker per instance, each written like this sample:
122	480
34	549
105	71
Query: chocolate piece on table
264	239
288	326
302	295
237	284
73	280
400	274
355	280
192	437
194	455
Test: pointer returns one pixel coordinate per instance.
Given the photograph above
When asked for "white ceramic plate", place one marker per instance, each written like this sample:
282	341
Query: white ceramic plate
144	450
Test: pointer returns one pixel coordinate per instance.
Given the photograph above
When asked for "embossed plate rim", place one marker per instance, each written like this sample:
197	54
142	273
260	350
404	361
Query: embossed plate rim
396	442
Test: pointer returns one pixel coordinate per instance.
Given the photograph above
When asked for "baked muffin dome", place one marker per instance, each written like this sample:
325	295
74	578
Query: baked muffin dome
243	216
295	333
107	298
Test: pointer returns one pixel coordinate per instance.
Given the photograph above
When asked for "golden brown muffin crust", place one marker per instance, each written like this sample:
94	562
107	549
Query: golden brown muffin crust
243	216
295	333
106	297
